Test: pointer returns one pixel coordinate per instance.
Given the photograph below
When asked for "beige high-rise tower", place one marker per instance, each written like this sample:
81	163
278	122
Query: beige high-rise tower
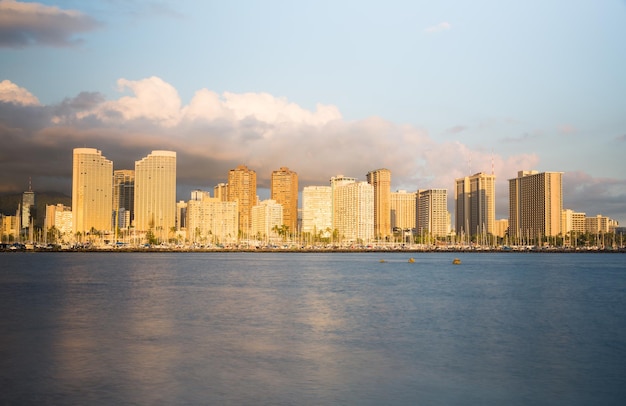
535	204
381	180
432	212
242	189
92	188
284	190
475	204
155	193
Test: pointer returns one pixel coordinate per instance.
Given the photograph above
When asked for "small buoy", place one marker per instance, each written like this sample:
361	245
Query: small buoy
456	261
382	261
411	260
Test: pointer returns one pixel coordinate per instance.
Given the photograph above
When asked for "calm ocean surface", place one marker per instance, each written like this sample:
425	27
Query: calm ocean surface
312	329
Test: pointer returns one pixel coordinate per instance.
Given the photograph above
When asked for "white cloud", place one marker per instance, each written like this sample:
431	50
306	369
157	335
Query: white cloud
24	24
443	26
12	93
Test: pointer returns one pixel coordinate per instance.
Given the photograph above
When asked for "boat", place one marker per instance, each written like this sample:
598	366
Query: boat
411	260
456	261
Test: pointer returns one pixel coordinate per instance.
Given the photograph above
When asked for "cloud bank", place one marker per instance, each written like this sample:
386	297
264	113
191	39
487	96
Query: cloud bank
26	24
216	132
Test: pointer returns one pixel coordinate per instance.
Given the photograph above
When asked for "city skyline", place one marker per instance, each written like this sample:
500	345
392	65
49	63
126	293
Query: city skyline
432	92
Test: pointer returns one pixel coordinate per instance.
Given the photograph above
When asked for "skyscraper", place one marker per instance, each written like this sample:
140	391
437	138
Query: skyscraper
535	204
335	183
354	211
475	199
284	190
92	187
381	180
28	207
267	219
155	193
123	197
242	189
432	212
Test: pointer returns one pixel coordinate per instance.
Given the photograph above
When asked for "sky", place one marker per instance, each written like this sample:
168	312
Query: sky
432	91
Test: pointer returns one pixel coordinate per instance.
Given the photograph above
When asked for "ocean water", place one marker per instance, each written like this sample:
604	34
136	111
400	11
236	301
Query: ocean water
312	329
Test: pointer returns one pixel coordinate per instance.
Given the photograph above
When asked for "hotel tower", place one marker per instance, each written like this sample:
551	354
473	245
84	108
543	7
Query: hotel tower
381	180
475	201
242	189
155	193
92	187
284	190
535	204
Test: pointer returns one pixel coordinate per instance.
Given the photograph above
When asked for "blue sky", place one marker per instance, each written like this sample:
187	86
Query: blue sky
430	90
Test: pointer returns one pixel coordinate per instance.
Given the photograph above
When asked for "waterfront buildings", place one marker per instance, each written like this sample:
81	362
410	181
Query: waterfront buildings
155	193
28	208
433	218
317	214
92	187
335	183
59	216
380	179
535	204
284	190
221	192
403	209
211	220
475	206
242	189
572	221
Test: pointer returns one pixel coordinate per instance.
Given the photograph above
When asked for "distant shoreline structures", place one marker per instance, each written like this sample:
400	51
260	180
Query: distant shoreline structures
310	249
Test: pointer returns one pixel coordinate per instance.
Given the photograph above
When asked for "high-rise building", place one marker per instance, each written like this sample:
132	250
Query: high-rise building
123	197
403	210
211	221
502	225
381	180
181	215
284	190
28	208
155	193
242	189
535	204
475	201
92	188
317	213
336	182
598	224
432	212
267	219
354	211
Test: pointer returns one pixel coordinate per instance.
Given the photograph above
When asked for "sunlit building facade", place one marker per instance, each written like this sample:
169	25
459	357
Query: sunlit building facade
123	197
92	188
535	204
403	209
284	190
475	204
380	179
267	219
242	189
354	212
433	218
155	193
211	221
317	214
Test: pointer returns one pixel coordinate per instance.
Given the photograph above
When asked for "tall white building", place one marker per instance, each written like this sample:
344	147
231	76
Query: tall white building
432	212
335	182
155	193
92	188
267	216
317	214
354	211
